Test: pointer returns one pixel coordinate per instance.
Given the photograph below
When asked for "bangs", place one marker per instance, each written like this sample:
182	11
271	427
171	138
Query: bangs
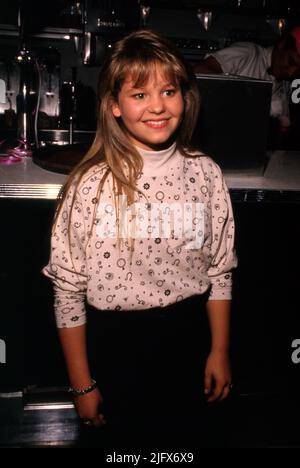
140	71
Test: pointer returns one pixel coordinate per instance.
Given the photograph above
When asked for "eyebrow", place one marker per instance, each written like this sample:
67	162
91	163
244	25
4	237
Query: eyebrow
164	85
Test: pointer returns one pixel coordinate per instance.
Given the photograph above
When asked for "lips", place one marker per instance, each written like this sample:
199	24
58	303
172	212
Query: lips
156	124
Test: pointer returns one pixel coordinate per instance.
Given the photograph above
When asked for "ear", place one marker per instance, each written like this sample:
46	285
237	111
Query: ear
115	109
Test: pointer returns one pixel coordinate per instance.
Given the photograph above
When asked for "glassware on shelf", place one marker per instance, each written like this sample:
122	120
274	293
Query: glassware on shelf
26	106
144	14
205	17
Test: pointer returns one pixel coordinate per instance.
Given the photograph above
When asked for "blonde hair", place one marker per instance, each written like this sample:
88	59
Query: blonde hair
134	57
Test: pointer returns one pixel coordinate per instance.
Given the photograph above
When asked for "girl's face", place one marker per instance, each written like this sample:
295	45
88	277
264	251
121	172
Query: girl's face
152	113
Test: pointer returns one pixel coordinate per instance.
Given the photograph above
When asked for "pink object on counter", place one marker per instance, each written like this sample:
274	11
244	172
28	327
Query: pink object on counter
8	160
17	154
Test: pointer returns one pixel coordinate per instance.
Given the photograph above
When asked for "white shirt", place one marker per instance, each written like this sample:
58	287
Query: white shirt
162	270
252	60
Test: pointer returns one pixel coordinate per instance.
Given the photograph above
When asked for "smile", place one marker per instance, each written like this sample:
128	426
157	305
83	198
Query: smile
156	123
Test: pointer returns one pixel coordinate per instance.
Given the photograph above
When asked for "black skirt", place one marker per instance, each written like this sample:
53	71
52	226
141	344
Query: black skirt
149	365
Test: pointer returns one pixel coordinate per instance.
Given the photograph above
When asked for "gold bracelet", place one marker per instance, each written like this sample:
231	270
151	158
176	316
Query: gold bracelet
83	391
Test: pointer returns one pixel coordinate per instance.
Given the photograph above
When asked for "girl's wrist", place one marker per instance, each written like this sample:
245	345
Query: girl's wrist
76	392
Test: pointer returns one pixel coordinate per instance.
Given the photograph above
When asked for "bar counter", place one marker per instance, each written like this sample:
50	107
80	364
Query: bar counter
282	174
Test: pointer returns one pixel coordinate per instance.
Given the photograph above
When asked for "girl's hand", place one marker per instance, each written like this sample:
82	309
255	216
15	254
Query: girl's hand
217	376
88	408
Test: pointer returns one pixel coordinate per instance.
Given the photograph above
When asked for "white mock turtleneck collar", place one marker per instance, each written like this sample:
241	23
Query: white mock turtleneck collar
155	161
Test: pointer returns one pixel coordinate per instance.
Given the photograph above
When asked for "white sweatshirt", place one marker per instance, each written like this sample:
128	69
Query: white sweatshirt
167	265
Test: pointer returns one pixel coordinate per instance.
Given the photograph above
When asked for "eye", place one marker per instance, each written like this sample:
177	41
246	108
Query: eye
139	96
170	92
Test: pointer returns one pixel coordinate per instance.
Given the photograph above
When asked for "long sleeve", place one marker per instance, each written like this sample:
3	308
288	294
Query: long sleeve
67	264
222	254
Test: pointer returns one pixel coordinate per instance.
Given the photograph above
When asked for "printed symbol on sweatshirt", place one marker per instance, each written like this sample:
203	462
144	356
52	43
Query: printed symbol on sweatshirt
98	244
151	272
221	219
64	258
109	276
170	251
179	298
53	268
158	261
176	197
100	287
64	215
140	301
66	310
139	262
121	262
109	208
119	286
186	285
160	283
159	195
110	297
176	262
168	182
204	189
128	276
165	272
86	190
167	292
75	318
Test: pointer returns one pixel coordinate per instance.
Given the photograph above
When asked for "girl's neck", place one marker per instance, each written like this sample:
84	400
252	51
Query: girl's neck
156	161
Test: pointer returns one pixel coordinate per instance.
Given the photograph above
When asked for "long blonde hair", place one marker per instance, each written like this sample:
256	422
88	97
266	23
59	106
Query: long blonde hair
135	57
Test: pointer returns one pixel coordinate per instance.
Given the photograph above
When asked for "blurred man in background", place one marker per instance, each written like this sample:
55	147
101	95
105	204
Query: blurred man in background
280	64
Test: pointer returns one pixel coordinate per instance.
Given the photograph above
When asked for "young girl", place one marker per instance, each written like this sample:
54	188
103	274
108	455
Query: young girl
142	244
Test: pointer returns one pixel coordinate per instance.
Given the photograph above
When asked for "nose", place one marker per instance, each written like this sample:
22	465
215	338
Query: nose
156	104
